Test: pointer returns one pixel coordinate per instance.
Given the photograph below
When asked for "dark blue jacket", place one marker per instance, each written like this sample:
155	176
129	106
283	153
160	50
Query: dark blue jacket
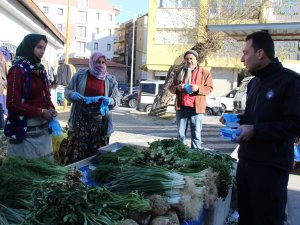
273	107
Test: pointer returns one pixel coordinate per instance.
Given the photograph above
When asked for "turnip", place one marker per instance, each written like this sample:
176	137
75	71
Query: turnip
161	220
159	205
141	218
128	222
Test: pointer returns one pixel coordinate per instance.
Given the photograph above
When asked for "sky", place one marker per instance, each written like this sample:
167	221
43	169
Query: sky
130	9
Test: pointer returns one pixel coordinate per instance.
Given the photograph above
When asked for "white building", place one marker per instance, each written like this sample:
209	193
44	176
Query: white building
91	22
19	18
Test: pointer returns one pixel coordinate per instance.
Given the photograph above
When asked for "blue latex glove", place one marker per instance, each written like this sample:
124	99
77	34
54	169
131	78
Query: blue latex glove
93	99
56	128
188	88
76	96
231	120
104	105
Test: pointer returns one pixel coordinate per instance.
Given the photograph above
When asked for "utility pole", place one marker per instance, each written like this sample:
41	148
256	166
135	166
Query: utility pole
67	44
68	33
132	56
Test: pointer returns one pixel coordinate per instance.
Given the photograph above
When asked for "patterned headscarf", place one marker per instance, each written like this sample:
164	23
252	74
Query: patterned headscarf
26	47
96	69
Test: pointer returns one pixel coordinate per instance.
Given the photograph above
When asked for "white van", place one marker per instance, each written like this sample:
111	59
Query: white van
150	88
239	102
147	93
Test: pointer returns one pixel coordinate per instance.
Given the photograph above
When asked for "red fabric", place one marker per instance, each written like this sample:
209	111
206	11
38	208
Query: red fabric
36	100
94	87
187	99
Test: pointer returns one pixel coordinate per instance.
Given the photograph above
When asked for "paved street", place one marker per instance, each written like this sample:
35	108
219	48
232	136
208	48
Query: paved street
135	127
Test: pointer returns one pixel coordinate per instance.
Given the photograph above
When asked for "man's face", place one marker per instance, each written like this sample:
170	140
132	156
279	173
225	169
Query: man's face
250	58
191	60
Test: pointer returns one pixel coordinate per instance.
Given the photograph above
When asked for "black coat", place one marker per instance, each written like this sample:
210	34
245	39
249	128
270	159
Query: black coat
273	107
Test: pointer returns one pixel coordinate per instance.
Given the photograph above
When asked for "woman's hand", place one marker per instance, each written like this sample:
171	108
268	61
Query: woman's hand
48	114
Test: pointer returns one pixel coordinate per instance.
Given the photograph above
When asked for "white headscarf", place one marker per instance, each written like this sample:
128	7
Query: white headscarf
98	70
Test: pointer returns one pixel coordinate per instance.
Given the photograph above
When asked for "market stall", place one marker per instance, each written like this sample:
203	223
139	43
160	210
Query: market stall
166	183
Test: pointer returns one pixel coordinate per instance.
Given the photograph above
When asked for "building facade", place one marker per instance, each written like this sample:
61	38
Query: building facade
24	17
91	23
176	26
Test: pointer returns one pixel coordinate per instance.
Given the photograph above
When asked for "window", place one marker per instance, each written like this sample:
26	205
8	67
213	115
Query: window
83	3
108	47
96	46
98	16
177	3
82	17
148	89
97	30
110	17
109	32
60	11
81	31
59	26
80	47
45	9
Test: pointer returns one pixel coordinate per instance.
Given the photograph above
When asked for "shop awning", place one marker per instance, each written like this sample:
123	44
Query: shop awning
279	31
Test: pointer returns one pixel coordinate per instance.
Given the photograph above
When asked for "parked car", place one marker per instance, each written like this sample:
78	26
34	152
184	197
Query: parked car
135	89
227	100
122	88
239	102
213	107
150	88
130	101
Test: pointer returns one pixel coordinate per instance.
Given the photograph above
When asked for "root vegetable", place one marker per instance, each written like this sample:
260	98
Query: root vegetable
161	220
128	222
159	205
141	218
172	215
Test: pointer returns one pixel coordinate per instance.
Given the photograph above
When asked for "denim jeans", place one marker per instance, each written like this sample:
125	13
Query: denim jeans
183	116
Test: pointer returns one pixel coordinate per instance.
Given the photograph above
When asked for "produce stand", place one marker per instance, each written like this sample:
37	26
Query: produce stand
214	215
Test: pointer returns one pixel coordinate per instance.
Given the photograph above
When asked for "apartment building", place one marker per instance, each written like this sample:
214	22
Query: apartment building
92	24
175	26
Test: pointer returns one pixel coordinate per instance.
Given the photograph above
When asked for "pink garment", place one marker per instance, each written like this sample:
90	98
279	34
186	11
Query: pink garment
96	69
187	99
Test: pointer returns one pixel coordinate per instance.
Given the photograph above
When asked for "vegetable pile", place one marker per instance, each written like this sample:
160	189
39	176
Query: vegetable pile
157	185
40	192
168	168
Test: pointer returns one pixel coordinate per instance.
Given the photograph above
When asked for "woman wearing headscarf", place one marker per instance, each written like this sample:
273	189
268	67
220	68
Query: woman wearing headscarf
93	92
28	101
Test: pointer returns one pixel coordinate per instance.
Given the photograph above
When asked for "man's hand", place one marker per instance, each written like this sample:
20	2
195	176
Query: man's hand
247	132
194	87
222	120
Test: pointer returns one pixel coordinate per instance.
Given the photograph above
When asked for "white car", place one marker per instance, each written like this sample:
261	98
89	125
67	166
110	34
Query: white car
227	100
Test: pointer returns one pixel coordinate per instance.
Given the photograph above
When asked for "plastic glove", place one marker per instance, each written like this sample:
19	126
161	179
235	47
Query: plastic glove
93	99
76	96
188	88
104	105
105	100
231	120
55	127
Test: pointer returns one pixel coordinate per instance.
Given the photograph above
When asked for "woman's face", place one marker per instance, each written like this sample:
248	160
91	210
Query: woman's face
39	49
101	60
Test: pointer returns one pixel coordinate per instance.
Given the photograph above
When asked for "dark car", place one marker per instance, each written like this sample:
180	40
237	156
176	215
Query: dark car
130	100
135	89
123	88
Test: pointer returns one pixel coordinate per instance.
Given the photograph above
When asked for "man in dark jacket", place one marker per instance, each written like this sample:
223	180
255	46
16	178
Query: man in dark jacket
268	127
